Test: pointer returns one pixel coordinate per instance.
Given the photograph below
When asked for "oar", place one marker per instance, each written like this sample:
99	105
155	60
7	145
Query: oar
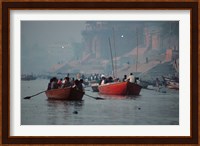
28	97
97	98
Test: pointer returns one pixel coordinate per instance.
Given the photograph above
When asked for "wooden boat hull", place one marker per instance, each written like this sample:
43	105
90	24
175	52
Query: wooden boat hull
133	89
76	94
120	88
64	94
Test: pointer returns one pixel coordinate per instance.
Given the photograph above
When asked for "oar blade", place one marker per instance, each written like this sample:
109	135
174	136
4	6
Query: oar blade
99	98
27	97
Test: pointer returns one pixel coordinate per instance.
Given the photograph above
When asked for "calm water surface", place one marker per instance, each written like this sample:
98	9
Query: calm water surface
150	108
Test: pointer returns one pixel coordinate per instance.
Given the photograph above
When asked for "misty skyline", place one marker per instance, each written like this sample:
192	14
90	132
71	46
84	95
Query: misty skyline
76	45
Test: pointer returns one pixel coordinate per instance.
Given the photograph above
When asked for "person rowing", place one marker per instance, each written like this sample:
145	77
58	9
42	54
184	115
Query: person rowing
131	78
66	83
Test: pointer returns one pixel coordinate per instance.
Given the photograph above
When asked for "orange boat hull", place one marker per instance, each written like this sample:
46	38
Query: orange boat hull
64	94
120	88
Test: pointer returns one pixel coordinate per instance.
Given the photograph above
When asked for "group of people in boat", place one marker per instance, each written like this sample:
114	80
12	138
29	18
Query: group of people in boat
131	78
55	83
105	80
77	83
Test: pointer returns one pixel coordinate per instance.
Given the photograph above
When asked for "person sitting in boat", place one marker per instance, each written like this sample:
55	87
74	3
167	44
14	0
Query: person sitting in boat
63	81
60	82
131	78
72	81
78	85
49	84
67	83
110	80
116	80
124	79
103	80
78	76
54	82
82	84
137	80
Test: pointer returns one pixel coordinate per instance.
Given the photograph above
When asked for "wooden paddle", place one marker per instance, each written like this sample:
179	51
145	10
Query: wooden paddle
28	97
97	98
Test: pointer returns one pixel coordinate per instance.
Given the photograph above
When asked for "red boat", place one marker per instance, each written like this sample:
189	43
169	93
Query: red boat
120	88
64	94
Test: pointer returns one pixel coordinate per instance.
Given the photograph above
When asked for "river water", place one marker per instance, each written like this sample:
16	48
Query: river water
149	108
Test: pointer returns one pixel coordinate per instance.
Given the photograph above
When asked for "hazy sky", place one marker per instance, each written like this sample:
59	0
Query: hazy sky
44	43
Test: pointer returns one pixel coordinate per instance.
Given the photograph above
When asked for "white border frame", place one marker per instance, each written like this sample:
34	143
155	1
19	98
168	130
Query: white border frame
183	129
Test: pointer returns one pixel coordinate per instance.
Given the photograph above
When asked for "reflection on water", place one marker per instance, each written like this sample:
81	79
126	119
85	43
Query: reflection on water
120	97
64	104
60	110
149	108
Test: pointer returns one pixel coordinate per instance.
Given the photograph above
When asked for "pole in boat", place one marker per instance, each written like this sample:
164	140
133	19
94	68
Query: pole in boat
115	51
95	47
111	57
137	49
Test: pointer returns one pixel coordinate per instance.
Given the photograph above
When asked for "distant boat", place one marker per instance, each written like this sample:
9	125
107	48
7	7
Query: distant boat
28	77
94	87
64	94
120	88
171	83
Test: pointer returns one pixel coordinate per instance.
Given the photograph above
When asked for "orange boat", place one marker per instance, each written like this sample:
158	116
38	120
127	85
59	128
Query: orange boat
120	88
64	94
